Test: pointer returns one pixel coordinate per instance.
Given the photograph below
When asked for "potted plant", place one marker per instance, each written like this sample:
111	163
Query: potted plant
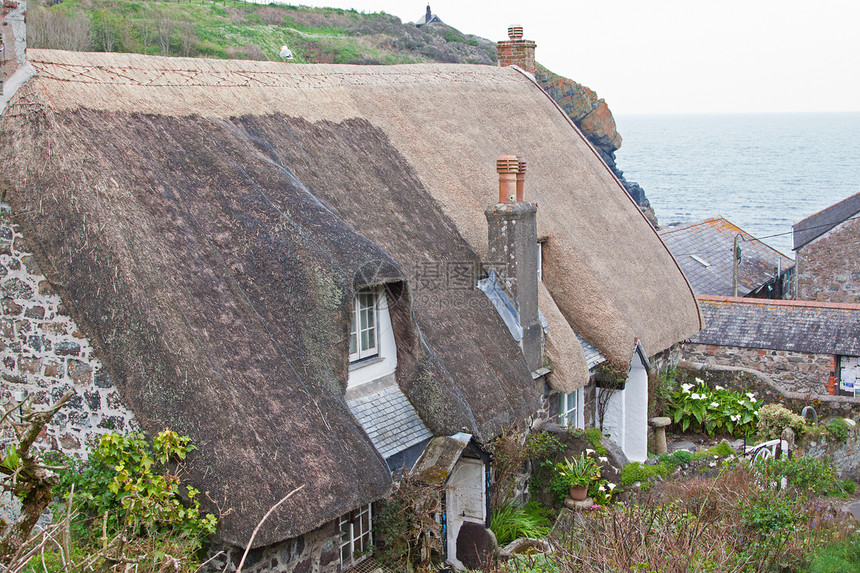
578	473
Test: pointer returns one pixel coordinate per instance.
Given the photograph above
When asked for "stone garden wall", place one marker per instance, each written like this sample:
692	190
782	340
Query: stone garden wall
748	380
843	456
43	353
791	371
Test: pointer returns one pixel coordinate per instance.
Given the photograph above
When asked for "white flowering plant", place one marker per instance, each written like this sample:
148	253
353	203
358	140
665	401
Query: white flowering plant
713	410
602	492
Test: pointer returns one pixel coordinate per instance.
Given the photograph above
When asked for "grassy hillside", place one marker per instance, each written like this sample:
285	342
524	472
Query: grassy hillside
243	30
240	30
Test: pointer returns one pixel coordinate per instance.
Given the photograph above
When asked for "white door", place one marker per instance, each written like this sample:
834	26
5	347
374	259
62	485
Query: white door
466	501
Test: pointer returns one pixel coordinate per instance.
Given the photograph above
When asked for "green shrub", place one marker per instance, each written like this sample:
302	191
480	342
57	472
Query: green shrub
721	450
543	445
713	410
838	429
660	385
677	458
512	521
130	481
634	471
593	437
774	418
806	474
769	513
512	450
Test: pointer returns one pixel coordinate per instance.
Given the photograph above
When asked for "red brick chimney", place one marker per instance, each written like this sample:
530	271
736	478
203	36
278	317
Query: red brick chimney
512	238
517	52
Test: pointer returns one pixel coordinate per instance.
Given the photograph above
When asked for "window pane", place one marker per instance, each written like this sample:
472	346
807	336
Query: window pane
567	408
365	326
353	326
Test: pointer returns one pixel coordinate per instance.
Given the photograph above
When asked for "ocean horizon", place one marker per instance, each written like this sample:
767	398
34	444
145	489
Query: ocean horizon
761	171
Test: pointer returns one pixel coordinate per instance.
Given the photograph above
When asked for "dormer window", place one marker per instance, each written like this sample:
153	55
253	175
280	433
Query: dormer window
363	330
372	350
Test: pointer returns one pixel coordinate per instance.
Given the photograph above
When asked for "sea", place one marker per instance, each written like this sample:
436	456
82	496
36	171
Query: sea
762	172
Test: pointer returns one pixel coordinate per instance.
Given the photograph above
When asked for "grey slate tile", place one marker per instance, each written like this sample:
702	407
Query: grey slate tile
798	326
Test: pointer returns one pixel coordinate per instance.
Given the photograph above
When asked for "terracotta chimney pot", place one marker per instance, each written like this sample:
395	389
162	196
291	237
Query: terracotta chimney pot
508	166
521	179
515	32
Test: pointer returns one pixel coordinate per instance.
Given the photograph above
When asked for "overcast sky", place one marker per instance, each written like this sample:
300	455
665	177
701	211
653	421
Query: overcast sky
676	56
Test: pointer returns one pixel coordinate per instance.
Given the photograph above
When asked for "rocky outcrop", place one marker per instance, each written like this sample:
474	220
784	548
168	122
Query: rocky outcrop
593	117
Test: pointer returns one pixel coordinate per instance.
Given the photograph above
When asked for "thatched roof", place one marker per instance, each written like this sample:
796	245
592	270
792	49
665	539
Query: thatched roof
209	222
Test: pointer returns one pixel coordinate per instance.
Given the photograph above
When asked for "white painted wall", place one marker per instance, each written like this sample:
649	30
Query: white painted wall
626	415
636	412
386	362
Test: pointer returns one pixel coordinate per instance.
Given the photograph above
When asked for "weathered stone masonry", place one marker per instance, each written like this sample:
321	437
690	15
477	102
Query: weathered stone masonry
43	352
316	551
792	371
828	268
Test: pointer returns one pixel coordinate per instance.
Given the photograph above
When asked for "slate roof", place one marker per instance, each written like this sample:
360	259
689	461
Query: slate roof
593	357
798	326
704	253
816	225
391	423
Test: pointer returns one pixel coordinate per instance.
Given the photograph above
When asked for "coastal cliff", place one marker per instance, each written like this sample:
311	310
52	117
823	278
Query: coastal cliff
593	117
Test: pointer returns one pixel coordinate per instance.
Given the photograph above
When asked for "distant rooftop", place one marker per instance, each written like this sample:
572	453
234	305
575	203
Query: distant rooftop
704	253
816	225
427	18
799	326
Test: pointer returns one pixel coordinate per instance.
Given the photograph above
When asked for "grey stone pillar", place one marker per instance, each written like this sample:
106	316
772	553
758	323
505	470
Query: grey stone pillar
513	253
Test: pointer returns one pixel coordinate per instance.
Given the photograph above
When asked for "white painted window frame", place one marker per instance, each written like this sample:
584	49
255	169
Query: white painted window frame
359	324
570	409
354	538
540	245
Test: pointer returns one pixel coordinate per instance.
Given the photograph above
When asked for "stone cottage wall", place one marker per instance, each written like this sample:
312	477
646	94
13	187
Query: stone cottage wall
791	371
828	268
43	352
316	551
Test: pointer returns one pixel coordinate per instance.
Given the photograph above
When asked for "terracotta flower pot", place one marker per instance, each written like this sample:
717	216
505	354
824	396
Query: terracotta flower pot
578	493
